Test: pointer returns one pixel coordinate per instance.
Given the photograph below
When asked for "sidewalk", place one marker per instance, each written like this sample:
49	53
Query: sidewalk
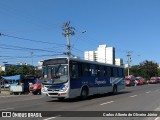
6	93
2	93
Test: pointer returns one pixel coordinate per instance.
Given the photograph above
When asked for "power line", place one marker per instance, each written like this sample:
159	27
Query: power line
77	38
26	39
30	56
24	48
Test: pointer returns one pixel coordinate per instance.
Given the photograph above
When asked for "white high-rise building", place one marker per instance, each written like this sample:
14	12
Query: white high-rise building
103	54
110	55
96	55
119	61
89	55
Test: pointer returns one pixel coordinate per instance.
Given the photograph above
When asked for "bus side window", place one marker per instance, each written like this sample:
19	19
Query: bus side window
105	70
108	71
86	70
102	71
80	69
112	71
119	72
99	69
93	70
115	72
123	73
74	71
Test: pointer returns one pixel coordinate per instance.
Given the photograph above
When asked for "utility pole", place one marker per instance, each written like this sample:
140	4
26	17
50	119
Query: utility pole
129	60
67	32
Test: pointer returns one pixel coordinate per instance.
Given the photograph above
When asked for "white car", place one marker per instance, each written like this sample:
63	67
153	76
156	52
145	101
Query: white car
6	85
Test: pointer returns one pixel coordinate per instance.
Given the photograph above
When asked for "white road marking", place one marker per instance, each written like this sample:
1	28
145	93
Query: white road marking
133	96
157	118
52	117
6	109
148	92
107	103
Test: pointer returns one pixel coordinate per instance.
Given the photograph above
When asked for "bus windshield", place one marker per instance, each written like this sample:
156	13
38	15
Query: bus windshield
55	74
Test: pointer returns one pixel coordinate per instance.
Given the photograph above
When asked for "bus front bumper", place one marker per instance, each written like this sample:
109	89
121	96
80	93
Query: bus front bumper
57	94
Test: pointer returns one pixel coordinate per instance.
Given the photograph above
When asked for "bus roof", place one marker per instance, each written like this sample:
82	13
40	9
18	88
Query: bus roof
86	61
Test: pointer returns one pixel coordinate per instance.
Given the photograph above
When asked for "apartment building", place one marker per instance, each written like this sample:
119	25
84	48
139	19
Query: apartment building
103	54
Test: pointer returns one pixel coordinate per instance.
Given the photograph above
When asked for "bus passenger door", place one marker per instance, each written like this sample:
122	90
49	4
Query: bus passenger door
75	76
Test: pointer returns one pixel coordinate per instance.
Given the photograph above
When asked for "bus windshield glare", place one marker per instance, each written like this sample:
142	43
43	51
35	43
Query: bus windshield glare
55	74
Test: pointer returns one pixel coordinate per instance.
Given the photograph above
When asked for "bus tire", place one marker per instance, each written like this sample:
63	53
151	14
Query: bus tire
84	93
115	91
39	91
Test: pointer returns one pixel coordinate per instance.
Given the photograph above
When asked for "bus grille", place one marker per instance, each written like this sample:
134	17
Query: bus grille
53	93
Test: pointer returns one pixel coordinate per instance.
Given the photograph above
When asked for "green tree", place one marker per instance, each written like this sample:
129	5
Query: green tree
145	69
2	73
38	73
149	68
26	70
135	70
11	71
158	71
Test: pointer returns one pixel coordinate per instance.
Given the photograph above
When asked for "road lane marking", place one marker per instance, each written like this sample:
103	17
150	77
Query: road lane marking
6	109
133	96
157	118
107	103
148	92
52	117
157	108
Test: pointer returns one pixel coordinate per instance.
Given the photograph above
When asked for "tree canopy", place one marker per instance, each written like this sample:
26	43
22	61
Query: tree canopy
25	70
145	69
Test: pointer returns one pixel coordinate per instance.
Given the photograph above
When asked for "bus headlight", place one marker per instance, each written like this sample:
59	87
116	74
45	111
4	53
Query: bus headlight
64	88
43	90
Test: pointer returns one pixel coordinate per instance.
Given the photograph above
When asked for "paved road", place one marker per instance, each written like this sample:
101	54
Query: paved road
136	98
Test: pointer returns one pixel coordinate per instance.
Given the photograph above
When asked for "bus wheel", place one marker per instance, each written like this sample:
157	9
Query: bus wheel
39	92
114	90
84	93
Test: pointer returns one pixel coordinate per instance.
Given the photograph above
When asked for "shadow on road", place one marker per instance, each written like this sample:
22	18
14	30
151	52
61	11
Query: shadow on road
89	98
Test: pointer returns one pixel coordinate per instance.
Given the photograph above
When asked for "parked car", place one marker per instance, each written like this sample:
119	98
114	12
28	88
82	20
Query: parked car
130	80
153	80
35	88
158	79
140	80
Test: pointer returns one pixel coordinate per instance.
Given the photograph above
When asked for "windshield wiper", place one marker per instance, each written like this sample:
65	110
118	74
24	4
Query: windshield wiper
55	75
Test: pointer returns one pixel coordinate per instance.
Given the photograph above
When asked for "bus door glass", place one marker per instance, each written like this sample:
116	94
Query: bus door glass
75	70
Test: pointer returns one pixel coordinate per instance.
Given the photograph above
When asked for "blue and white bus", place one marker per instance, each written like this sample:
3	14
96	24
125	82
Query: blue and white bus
72	77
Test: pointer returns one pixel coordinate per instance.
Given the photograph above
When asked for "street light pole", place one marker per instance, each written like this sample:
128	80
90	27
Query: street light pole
129	61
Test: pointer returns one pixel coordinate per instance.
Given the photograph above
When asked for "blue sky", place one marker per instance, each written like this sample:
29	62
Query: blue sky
127	25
